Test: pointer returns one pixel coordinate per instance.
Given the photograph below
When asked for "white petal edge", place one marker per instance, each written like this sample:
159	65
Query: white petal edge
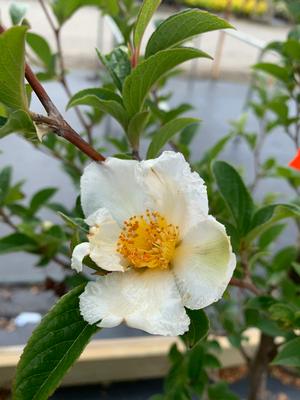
103	238
79	252
147	300
177	193
204	264
114	184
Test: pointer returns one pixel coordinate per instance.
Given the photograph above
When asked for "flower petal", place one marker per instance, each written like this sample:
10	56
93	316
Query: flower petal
204	264
177	193
114	185
103	237
147	300
79	252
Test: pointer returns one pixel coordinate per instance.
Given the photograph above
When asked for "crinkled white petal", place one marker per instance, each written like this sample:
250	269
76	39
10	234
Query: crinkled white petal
176	192
147	300
115	185
203	264
79	252
103	238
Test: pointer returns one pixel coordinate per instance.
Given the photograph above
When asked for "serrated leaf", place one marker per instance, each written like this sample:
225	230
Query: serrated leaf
12	68
145	14
289	355
138	84
235	195
102	99
40	47
18	122
181	27
198	329
166	132
52	349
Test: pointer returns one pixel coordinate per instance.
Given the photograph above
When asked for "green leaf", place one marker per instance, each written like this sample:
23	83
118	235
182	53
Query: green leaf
220	391
64	9
52	349
181	27
16	242
138	84
146	12
136	126
118	65
198	328
74	223
18	122
166	132
12	68
289	355
40	47
266	216
274	70
235	194
270	235
5	179
17	12
40	199
102	99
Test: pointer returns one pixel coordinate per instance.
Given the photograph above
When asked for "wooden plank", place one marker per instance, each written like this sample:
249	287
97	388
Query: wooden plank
108	360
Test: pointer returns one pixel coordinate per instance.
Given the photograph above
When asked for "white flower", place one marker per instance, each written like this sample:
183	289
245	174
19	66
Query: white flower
149	226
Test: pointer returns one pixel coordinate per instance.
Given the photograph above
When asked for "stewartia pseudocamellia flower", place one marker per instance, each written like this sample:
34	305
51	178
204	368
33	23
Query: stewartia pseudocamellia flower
150	229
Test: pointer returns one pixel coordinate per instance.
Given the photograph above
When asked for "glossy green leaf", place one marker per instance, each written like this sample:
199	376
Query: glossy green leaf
138	84
52	349
16	242
18	122
136	127
40	47
40	199
146	12
12	68
266	216
198	328
166	132
102	99
289	354
235	194
181	27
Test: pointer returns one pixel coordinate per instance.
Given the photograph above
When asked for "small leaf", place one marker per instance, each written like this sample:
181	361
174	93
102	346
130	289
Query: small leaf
166	132
40	199
74	223
18	122
289	355
274	70
198	328
235	194
181	27
52	349
220	391
146	12
40	47
138	84
12	68
102	99
16	242
17	12
5	180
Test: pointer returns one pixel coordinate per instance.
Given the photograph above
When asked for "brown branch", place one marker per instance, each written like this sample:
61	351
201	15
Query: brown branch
245	285
63	129
6	219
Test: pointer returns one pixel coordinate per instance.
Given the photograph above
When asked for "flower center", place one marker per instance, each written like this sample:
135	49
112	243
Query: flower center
148	241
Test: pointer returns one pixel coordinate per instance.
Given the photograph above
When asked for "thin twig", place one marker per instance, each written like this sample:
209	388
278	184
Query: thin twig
62	77
6	219
245	285
63	129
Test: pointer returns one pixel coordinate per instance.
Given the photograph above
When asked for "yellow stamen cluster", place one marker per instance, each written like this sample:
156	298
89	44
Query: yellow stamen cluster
148	241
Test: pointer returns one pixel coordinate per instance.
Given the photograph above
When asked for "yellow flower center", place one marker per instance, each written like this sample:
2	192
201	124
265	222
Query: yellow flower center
148	241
